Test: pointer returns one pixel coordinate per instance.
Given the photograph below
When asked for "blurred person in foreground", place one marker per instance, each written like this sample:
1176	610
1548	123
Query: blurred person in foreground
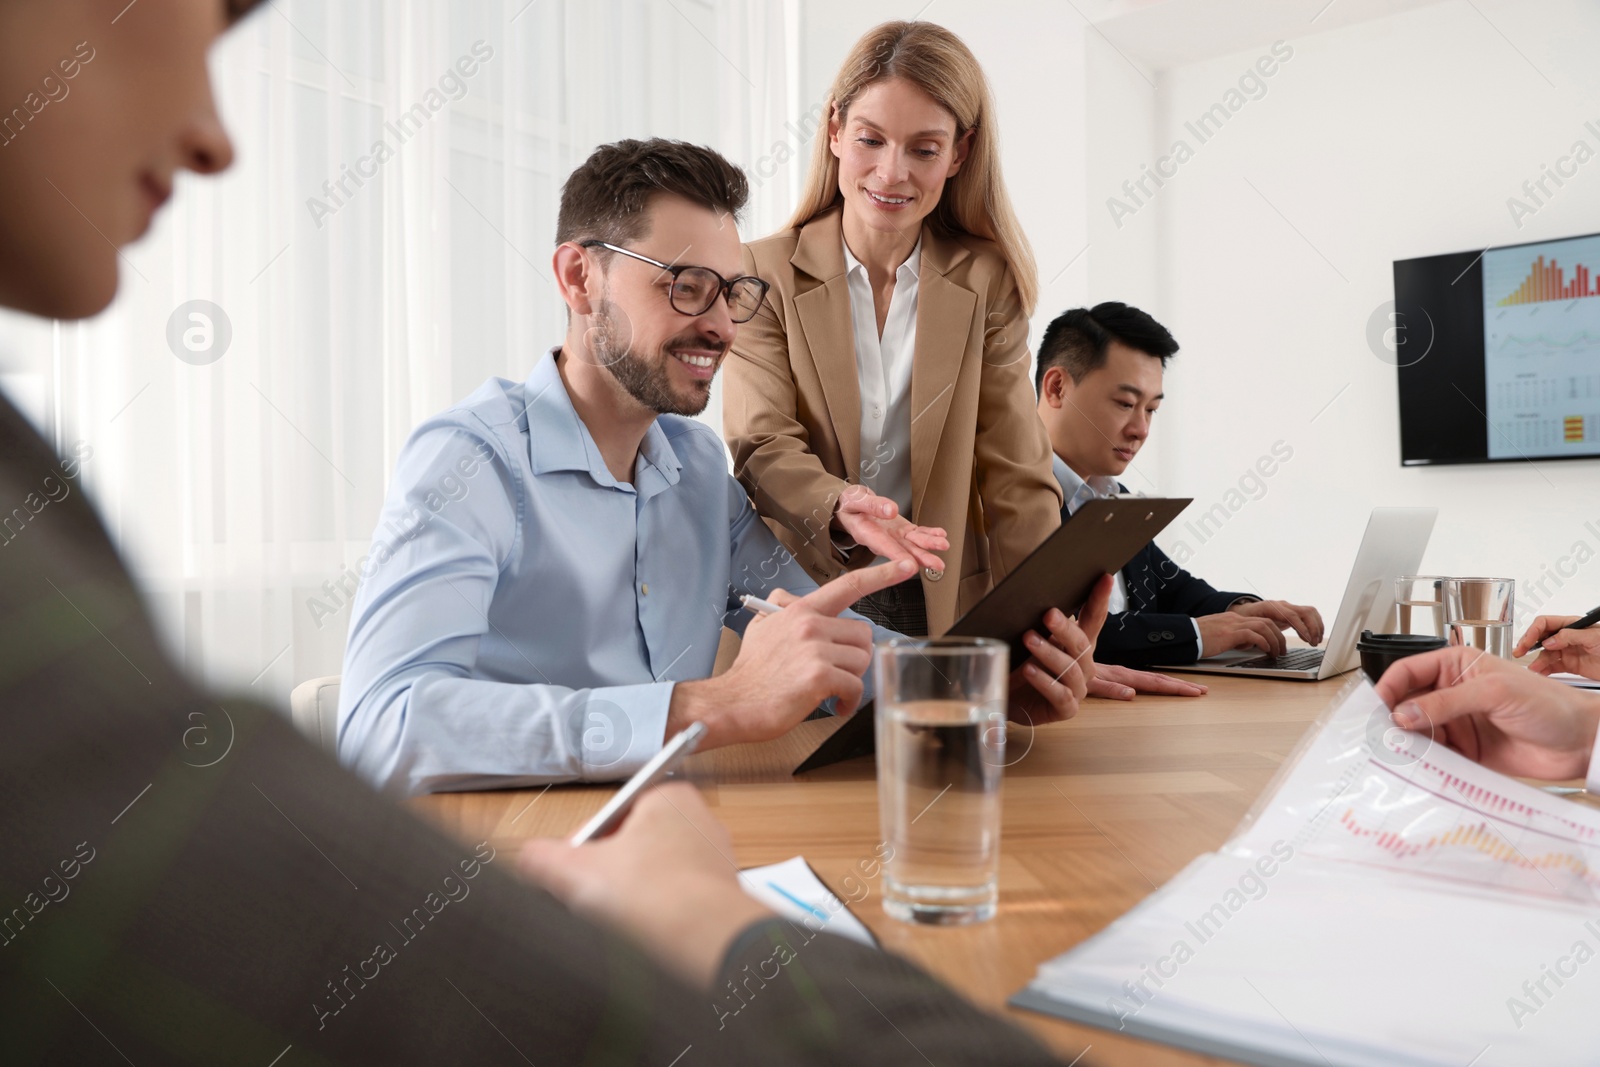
244	900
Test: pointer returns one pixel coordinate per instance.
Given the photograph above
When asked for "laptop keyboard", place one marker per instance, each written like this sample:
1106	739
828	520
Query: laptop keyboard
1296	659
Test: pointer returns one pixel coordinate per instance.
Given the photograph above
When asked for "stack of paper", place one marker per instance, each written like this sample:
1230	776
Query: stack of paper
1388	902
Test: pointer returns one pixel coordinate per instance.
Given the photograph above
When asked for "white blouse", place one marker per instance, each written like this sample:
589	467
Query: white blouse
883	367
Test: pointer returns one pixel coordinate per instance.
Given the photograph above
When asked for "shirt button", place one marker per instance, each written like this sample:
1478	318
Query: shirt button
877	412
931	574
644	588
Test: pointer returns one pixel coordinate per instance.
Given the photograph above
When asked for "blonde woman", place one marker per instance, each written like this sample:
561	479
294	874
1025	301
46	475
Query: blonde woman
879	405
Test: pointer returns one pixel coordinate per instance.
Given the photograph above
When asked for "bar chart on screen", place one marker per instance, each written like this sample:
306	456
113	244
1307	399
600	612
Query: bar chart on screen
1549	281
1541	317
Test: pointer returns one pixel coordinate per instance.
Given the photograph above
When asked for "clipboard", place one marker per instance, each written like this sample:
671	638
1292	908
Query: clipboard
1100	538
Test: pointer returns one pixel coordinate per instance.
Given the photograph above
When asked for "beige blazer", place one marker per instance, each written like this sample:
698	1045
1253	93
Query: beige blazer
980	459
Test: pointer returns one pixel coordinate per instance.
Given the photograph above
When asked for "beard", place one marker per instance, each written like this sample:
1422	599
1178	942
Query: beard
646	380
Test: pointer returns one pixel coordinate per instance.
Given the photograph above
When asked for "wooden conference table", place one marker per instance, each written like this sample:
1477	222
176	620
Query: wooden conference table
1098	811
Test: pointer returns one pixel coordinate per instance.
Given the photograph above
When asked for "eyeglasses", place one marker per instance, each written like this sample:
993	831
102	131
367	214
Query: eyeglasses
695	289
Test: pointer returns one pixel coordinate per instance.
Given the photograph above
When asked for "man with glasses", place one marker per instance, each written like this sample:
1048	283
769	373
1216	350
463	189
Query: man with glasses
556	557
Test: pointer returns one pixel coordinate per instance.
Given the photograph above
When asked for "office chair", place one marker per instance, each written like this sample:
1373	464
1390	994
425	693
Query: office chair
314	707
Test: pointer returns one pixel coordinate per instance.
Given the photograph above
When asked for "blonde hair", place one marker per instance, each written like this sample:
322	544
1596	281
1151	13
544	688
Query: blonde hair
941	65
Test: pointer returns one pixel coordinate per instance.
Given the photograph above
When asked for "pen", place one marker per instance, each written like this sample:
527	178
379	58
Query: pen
1582	624
659	766
756	606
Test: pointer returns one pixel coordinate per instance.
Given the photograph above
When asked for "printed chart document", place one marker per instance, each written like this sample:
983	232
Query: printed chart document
793	890
1388	902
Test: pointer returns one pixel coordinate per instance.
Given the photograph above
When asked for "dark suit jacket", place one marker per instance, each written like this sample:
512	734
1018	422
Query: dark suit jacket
184	879
1162	599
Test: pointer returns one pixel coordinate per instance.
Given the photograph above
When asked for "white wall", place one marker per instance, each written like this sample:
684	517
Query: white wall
1269	250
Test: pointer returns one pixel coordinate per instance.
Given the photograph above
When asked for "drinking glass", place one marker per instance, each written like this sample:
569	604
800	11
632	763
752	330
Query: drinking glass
1478	612
941	732
1419	604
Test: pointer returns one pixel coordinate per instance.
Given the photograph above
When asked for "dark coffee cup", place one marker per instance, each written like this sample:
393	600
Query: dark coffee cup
1380	651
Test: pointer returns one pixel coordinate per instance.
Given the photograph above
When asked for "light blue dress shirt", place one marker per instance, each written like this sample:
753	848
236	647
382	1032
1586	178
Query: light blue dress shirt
523	616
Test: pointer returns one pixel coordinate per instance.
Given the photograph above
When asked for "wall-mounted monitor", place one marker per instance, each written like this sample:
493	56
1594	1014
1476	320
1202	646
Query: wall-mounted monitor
1499	353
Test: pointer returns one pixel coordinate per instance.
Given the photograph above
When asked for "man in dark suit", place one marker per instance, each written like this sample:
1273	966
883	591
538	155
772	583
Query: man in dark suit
1099	380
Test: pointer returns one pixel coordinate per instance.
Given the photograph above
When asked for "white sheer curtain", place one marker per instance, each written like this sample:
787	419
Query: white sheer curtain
380	249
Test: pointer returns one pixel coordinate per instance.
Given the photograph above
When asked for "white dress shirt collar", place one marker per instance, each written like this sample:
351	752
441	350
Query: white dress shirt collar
1078	491
912	265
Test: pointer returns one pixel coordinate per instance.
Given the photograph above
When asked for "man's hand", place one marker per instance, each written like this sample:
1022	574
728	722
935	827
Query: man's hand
1305	621
1494	711
1121	683
1229	630
875	521
789	662
666	879
1565	651
1056	677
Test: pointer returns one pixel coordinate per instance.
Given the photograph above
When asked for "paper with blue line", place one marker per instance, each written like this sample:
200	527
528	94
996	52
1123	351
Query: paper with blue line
793	890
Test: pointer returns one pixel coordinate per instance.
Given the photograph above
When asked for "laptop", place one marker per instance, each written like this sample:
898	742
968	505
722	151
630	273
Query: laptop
1392	546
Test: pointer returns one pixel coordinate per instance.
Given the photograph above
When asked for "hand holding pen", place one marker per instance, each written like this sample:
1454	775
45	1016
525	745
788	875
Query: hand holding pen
789	662
1566	644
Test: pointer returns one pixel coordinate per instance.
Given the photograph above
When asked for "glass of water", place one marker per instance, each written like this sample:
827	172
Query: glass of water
941	731
1478	612
1419	604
